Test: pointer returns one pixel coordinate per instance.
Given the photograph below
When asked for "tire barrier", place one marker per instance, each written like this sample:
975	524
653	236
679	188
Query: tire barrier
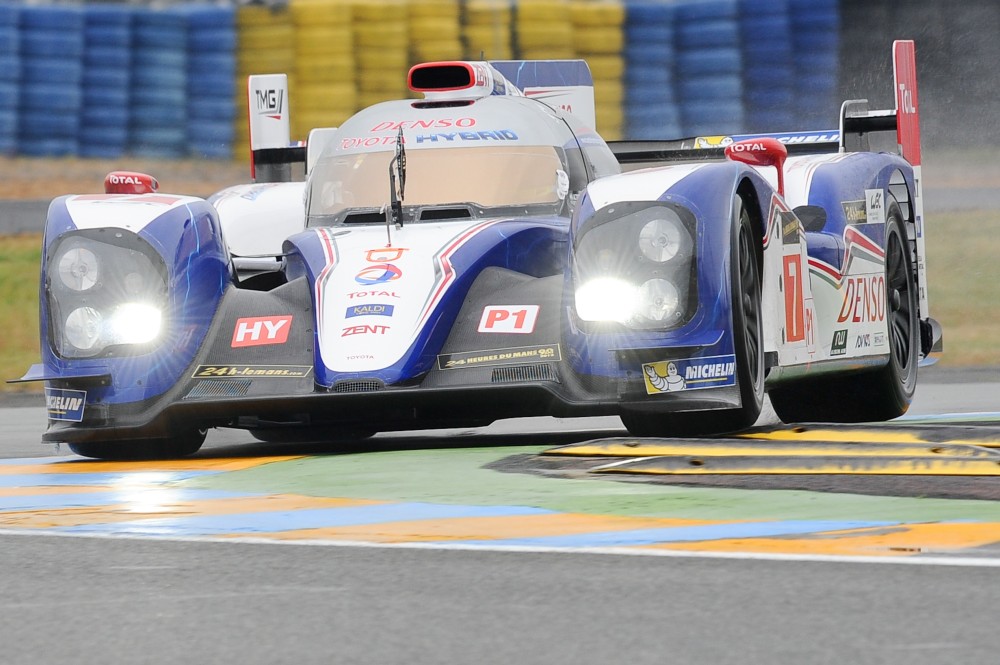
50	94
158	105
651	109
211	80
10	77
815	39
105	79
325	93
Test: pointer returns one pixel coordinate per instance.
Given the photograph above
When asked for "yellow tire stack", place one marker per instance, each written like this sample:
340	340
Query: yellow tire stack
486	29
265	45
381	49
543	30
435	31
598	38
324	94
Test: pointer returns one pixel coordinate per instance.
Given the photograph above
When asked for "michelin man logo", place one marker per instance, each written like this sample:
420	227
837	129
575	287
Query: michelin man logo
672	382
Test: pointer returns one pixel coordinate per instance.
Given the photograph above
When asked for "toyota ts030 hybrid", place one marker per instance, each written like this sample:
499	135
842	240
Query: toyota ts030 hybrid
481	253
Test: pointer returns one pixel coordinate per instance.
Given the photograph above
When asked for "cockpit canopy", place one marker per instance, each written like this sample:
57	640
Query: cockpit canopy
495	156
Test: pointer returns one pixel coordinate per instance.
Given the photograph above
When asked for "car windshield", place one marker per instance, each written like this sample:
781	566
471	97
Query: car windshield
483	177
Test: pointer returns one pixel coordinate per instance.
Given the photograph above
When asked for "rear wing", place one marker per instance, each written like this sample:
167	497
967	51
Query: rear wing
857	124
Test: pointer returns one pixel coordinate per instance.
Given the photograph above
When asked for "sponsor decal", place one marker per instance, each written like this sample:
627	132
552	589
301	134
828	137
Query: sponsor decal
863	341
689	374
121	179
381	270
364	330
270	102
878	339
508	319
62	404
875	206
378	274
373	309
789	227
251	371
372	294
855	212
712	141
433	123
838	346
487	135
366	141
864	299
259	330
489	358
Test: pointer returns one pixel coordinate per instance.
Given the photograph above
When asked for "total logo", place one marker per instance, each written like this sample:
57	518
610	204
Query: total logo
380	270
259	330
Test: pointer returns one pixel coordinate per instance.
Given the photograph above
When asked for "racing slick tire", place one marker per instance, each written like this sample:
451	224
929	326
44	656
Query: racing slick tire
181	444
745	267
875	395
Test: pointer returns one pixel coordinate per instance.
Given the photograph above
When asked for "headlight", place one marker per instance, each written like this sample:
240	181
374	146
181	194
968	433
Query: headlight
106	293
78	268
634	264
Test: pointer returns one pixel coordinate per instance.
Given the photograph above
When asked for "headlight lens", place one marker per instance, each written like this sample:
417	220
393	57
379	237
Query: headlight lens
79	269
107	293
634	264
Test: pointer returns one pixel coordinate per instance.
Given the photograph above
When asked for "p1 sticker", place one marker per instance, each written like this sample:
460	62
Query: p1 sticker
508	319
668	376
64	404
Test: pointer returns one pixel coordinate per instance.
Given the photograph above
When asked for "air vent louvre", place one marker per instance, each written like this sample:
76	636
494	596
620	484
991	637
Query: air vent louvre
517	373
358	386
220	388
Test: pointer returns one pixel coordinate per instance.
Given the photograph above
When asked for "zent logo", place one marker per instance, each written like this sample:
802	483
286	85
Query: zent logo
255	331
509	319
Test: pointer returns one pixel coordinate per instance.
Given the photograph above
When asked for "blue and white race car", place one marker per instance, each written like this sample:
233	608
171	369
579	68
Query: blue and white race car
482	253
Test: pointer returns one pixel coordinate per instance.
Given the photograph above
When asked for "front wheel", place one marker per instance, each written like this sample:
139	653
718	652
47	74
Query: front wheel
872	395
180	445
748	343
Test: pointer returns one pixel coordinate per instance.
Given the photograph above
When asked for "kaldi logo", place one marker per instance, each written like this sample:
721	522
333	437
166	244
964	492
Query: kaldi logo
509	319
270	103
864	300
256	331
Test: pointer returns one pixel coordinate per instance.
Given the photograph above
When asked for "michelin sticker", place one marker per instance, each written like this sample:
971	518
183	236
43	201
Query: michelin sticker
689	374
65	404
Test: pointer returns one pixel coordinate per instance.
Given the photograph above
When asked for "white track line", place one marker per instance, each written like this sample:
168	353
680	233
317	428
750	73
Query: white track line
959	561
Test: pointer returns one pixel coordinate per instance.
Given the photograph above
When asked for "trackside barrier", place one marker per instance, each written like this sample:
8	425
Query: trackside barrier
103	80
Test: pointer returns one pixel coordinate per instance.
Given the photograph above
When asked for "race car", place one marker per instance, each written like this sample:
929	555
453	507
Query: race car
481	253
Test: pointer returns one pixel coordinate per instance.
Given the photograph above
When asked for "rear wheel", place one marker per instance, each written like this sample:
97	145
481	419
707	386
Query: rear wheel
180	445
745	286
874	395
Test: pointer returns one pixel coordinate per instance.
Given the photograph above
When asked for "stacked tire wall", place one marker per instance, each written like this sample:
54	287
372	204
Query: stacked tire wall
110	79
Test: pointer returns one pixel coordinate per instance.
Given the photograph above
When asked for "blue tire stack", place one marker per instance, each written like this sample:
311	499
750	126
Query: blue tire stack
10	77
651	109
51	93
104	119
158	100
710	66
816	39
211	76
768	65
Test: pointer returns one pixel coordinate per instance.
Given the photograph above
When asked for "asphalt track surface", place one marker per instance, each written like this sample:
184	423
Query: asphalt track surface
112	599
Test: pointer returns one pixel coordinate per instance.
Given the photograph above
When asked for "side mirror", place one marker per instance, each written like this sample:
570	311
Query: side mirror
761	152
129	182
